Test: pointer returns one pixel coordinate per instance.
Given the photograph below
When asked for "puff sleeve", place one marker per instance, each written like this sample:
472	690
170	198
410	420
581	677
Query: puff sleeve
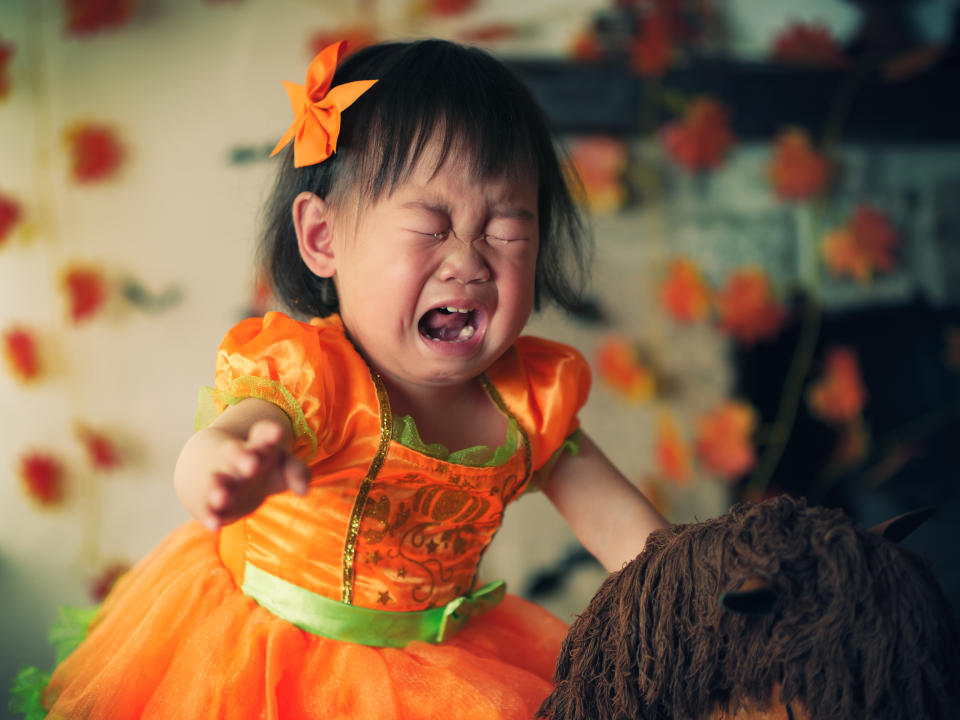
545	384
282	361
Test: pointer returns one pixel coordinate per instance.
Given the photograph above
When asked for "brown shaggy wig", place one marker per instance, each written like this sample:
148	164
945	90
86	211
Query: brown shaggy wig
846	624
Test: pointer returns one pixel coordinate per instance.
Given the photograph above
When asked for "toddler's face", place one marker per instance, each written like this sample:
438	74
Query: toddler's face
436	280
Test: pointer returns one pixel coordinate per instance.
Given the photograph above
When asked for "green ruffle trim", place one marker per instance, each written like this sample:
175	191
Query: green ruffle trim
406	433
25	693
66	633
70	628
212	401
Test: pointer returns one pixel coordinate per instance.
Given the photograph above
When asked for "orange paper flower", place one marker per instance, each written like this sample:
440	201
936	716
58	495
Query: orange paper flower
700	141
652	50
42	477
684	294
600	161
95	150
797	171
9	217
86	291
671	450
6	52
862	246
808	44
746	307
100	449
317	107
449	7
619	366
88	16
723	439
20	353
839	395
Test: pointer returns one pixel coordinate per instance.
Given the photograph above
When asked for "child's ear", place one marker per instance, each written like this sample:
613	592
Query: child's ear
312	217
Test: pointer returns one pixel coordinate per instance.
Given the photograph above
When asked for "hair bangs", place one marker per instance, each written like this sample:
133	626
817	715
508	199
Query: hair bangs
435	95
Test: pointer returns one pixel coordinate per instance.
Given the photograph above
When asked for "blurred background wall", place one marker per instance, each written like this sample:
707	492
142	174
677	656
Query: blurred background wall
773	188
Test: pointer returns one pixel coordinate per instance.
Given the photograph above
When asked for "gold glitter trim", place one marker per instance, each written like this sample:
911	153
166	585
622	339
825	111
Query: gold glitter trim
497	399
494	395
360	502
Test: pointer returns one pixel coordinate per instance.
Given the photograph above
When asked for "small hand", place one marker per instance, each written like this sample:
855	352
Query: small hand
246	472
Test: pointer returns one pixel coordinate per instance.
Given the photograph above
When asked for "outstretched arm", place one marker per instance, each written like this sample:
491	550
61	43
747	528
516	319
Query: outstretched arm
605	510
226	470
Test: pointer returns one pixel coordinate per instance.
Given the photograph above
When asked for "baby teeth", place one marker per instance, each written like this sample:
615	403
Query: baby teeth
466	332
457	310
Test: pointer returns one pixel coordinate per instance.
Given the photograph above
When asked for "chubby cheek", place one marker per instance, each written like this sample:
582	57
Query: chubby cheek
377	280
391	297
522	287
403	281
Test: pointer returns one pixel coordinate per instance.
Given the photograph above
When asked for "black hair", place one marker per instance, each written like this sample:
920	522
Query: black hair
478	109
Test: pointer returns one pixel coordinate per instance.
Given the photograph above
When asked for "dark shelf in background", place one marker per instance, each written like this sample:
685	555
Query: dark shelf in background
762	98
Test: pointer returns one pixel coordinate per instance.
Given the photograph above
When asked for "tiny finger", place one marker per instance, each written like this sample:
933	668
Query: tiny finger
296	475
264	434
242	463
217	499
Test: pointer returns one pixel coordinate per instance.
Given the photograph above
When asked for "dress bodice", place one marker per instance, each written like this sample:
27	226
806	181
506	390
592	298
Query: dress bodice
382	526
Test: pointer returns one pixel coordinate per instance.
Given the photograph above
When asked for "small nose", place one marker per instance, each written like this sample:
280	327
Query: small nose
463	260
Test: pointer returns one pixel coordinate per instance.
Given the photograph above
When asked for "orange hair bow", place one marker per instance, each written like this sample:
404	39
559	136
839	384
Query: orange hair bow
317	108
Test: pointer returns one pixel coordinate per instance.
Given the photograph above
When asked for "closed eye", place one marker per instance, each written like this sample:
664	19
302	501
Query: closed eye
442	235
496	240
430	234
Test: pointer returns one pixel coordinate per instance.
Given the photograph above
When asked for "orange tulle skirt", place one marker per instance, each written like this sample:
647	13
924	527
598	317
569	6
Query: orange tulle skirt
177	639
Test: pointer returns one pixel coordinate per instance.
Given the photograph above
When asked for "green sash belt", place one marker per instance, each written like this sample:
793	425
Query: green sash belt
380	628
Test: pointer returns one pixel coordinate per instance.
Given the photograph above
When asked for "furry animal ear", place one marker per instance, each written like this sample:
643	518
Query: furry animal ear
897	528
754	597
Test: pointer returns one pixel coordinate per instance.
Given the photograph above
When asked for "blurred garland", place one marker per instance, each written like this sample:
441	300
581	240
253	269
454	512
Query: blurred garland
649	37
95	157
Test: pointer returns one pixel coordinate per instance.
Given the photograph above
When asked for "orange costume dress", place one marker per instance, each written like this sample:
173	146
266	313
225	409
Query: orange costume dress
360	600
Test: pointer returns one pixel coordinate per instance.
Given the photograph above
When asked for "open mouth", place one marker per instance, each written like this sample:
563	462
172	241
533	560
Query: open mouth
449	324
